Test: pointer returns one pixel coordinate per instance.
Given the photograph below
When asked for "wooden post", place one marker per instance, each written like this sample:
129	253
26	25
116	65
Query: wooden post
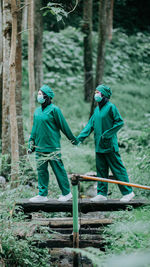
75	212
75	220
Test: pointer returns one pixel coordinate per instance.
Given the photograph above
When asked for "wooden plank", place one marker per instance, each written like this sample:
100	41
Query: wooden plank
85	205
89	231
62	243
68	222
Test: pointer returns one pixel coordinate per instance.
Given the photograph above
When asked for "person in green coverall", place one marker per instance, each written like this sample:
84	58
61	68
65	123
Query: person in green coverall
106	121
45	140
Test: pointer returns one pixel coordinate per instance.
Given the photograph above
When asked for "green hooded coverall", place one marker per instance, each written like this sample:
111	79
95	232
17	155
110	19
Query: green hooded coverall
46	137
105	123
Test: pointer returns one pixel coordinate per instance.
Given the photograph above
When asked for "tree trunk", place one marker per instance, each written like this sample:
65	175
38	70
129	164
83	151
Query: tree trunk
12	90
1	65
101	41
101	45
22	150
7	20
31	59
38	44
110	19
25	15
87	30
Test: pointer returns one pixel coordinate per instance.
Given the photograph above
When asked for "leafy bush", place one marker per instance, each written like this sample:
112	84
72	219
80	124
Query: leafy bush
127	57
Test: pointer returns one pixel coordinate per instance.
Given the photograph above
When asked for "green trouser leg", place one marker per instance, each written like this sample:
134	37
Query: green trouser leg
61	175
114	161
102	171
119	171
58	169
43	174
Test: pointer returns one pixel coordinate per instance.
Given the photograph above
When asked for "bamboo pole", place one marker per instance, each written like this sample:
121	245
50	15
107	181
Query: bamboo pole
99	179
75	220
75	217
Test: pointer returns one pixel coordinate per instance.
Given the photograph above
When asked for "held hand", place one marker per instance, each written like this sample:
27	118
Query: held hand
29	151
75	142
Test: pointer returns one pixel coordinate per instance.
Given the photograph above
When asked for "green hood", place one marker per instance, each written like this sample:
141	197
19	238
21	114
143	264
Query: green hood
105	90
47	90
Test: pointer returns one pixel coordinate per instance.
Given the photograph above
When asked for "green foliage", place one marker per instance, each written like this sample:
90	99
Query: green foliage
127	57
56	10
21	252
63	55
5	166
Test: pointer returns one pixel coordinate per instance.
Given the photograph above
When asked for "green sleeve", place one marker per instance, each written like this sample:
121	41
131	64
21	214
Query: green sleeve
118	123
87	130
63	125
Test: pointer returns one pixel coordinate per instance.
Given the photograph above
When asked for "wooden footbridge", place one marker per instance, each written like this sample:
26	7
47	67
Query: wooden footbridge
83	226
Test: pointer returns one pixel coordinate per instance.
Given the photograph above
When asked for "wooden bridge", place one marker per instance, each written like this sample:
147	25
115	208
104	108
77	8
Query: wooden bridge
87	232
85	205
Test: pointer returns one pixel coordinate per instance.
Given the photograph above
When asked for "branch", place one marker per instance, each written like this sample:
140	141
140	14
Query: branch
77	1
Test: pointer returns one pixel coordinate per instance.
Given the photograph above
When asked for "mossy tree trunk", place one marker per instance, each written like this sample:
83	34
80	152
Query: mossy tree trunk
31	59
1	65
22	150
12	102
38	44
6	146
102	36
88	61
110	9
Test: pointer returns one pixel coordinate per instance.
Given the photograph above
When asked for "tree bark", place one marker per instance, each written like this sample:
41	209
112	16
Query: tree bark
25	15
22	150
31	59
110	19
38	44
1	65
88	62
102	35
7	20
12	90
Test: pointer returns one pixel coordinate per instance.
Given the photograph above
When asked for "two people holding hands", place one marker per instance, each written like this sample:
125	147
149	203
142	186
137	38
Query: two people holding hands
45	137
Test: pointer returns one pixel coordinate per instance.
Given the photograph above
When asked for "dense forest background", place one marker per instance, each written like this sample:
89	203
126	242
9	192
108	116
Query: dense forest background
129	15
59	51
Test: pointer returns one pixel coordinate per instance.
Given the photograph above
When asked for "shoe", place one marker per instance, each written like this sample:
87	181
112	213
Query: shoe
127	198
38	198
98	198
65	198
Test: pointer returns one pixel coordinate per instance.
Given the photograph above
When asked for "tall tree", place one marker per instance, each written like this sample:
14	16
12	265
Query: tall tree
38	44
7	20
102	36
25	15
88	61
22	150
12	93
1	65
31	59
110	9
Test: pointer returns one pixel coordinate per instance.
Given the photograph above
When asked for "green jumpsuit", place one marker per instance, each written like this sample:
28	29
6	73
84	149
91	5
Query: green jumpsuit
46	136
105	123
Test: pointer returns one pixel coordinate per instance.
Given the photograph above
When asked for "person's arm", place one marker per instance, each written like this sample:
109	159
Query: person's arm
63	125
117	124
87	130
